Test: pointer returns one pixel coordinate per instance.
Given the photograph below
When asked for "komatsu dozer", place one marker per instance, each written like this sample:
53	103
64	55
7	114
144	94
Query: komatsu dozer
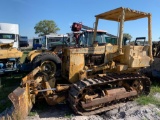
93	79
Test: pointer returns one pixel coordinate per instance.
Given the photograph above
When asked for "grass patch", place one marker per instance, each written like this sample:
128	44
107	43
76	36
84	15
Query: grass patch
9	83
4	100
68	115
158	113
11	79
144	100
26	49
155	89
25	53
22	60
32	113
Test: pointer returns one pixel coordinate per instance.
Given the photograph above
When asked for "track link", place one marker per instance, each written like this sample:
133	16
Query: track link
78	88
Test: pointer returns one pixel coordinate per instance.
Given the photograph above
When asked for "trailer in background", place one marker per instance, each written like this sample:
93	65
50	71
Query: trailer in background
23	41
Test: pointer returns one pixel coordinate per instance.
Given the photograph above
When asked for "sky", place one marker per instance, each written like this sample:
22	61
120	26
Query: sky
27	13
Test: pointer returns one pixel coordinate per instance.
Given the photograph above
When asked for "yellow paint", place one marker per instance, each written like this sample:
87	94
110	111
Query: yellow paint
10	53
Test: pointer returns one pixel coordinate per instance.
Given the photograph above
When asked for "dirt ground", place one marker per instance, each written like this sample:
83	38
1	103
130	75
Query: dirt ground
127	111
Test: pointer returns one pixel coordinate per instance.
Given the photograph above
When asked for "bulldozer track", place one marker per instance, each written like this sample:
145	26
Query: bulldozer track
77	88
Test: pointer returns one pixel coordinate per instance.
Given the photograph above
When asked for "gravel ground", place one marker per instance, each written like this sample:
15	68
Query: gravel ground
128	111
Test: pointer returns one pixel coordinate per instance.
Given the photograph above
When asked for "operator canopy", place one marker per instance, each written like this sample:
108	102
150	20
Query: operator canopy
129	14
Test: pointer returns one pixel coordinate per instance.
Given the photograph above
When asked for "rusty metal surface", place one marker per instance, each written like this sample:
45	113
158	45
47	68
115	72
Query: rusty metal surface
32	54
55	99
30	76
99	58
22	103
111	98
76	64
24	98
62	87
107	99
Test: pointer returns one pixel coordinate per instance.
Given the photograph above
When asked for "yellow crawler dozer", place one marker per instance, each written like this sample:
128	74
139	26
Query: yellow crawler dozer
93	79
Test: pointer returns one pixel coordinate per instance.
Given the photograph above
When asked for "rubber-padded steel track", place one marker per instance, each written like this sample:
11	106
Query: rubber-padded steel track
78	87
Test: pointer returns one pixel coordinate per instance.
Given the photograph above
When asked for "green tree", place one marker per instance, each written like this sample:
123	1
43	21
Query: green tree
127	36
45	27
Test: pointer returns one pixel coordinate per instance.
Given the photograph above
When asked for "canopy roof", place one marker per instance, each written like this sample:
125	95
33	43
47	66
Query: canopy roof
129	14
